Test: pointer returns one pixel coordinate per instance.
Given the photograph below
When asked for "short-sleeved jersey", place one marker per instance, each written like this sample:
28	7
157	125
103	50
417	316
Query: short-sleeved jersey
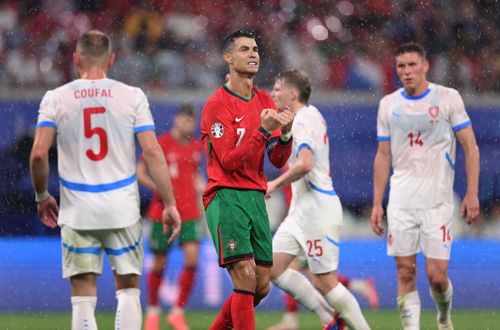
423	145
309	193
96	122
184	162
235	143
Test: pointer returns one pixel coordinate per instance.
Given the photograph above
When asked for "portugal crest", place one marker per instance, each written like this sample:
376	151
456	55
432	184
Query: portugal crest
434	112
231	245
217	130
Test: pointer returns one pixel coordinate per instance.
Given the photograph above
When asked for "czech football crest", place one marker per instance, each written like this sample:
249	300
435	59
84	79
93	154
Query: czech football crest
217	130
434	112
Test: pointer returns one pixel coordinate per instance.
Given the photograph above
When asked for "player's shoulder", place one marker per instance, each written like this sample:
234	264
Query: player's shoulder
444	90
392	96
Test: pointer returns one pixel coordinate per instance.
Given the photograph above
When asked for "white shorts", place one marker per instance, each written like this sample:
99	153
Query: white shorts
426	230
82	250
318	241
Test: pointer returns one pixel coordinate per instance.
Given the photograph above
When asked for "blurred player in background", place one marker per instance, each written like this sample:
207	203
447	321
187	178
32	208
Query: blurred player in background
312	226
183	154
416	129
239	124
96	119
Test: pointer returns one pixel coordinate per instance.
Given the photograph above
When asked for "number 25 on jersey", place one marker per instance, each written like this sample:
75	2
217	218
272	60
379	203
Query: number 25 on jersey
89	131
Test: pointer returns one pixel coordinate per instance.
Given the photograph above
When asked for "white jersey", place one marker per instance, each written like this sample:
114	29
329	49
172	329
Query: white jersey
312	194
421	132
96	122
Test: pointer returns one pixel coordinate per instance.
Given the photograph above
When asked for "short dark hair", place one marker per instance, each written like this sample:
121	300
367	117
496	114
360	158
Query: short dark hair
411	47
94	44
228	41
187	110
300	80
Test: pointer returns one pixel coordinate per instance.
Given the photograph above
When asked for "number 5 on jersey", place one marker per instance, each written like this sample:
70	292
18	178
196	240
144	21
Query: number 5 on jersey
89	131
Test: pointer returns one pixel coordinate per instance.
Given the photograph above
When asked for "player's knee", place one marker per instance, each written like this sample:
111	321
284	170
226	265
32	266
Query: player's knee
243	275
438	280
407	273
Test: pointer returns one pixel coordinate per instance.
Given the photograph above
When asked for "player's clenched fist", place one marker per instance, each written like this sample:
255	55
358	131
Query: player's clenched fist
270	120
286	120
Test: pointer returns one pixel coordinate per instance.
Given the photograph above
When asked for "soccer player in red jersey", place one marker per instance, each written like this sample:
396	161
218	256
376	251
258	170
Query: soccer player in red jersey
239	123
183	155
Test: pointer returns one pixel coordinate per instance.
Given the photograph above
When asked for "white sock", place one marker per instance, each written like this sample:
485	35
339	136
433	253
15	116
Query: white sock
347	306
358	286
299	287
443	302
409	310
128	311
83	317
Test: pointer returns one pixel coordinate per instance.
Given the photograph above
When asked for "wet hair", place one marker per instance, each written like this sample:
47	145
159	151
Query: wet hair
187	110
228	41
411	47
300	80
93	44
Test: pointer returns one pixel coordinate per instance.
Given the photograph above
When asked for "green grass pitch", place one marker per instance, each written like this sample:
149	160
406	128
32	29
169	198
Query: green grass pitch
384	320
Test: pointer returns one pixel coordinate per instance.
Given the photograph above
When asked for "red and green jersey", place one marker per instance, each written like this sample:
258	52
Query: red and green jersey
183	161
235	142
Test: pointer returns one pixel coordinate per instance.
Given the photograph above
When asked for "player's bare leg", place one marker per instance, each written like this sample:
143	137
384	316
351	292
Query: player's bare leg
128	309
154	279
83	301
176	317
298	286
340	299
408	299
244	277
441	291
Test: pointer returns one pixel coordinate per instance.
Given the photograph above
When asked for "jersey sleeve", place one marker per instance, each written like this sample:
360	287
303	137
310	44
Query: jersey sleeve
302	136
383	122
217	123
458	116
47	113
144	119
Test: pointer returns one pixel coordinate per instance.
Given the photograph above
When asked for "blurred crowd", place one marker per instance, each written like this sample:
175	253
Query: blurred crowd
171	44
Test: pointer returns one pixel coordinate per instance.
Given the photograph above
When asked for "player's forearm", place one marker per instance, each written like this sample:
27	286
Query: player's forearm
281	152
294	173
157	165
144	178
39	170
472	168
381	171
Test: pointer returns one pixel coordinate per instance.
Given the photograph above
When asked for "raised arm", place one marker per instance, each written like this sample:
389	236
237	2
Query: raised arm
381	171
470	203
157	166
39	170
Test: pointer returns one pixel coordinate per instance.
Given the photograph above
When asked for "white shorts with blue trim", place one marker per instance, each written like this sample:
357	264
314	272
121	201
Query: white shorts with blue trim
427	230
316	238
82	250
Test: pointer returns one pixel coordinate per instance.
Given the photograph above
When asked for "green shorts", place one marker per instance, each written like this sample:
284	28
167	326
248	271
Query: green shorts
190	232
239	226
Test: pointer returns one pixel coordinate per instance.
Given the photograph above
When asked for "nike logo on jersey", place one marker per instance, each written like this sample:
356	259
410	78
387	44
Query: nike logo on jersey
238	119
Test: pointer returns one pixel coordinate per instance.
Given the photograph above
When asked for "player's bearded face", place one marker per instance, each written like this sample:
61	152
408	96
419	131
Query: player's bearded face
244	57
411	69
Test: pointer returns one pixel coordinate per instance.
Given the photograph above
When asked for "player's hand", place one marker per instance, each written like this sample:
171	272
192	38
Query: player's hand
470	208
271	187
270	120
48	211
376	220
171	217
286	120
